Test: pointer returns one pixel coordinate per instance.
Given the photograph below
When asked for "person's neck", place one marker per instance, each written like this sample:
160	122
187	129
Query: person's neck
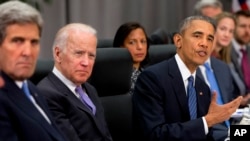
136	66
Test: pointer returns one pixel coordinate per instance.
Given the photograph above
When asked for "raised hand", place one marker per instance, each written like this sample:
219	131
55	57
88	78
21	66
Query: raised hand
219	113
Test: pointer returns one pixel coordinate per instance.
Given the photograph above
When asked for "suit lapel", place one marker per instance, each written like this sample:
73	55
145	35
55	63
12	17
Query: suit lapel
61	87
24	104
217	71
234	57
203	95
178	86
97	118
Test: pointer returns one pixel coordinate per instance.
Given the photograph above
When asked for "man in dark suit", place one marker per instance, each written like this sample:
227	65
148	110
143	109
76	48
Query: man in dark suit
225	84
24	113
166	105
74	53
241	43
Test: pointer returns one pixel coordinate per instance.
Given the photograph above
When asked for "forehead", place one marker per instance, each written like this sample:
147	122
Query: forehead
243	19
226	21
201	26
136	32
80	41
20	31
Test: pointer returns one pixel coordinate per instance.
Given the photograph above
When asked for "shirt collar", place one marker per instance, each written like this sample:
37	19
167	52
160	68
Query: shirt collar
237	47
66	81
20	83
185	73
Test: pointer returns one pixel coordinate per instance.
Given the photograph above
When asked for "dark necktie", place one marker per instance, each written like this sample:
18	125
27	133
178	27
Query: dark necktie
85	99
214	86
192	103
245	66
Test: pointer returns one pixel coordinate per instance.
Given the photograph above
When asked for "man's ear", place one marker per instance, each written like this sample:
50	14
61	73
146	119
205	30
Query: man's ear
177	40
57	54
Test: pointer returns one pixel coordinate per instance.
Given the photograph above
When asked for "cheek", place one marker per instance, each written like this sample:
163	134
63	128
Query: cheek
131	51
36	53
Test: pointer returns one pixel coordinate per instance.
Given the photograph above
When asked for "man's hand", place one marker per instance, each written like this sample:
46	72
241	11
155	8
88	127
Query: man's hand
245	100
219	113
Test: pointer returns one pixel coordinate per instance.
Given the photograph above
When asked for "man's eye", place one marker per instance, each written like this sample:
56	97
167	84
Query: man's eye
144	42
34	42
79	53
18	40
196	35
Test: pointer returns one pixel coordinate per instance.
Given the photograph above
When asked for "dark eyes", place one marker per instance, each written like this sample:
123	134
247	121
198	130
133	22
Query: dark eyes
134	42
199	36
22	40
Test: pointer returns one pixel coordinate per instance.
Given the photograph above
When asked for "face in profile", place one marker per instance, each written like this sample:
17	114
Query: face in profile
225	32
77	59
20	50
194	46
136	43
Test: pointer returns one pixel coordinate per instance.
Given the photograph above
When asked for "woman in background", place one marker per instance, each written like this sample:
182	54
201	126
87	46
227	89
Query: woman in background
225	27
132	35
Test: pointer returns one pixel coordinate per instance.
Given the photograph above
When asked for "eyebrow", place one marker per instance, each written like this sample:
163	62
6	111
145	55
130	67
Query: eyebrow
200	33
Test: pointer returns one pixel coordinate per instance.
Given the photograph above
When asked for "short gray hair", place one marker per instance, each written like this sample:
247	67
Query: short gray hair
186	22
203	3
16	12
64	33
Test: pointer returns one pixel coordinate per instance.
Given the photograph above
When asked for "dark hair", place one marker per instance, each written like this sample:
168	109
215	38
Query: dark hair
187	21
123	31
245	13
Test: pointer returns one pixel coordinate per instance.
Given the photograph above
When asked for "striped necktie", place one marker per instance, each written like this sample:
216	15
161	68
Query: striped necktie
192	103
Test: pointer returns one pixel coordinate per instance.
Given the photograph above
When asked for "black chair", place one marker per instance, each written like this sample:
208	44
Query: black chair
43	67
118	113
112	71
111	77
158	53
104	43
159	37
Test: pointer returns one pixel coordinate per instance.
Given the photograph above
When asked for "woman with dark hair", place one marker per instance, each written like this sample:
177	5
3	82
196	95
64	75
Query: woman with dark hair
132	35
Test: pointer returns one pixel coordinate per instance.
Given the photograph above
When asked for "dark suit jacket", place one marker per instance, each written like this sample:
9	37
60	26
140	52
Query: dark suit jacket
20	120
237	66
72	116
225	83
160	105
224	79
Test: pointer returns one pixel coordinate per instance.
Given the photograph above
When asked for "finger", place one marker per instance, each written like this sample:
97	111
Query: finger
235	103
238	100
214	97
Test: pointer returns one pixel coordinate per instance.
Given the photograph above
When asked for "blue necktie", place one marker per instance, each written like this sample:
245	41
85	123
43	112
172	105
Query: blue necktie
192	103
214	86
85	99
26	90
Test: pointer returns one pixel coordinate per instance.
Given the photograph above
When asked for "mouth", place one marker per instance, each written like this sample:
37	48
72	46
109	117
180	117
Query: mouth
25	64
82	71
139	55
202	53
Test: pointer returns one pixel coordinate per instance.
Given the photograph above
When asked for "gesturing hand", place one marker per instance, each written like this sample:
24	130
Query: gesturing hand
219	113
